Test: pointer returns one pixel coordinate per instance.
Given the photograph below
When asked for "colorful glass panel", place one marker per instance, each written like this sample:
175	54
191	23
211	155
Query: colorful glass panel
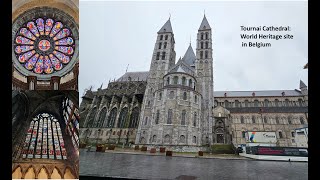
48	26
33	28
44	45
23	40
21	49
65	41
31	62
55	62
24	57
39	65
63	58
47	65
64	33
64	49
56	28
26	33
40	25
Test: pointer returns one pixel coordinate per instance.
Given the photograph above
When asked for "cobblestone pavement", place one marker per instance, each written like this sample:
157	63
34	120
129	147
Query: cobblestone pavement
162	167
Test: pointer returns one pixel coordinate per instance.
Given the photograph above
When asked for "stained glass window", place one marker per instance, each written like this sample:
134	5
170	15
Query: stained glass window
44	139
44	45
71	116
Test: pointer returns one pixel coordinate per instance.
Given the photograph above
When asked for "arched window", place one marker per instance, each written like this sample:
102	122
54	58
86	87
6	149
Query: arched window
194	139
160	96
301	120
146	121
286	102
201	54
207	45
265	120
182	139
160	44
163	55
201	36
226	103
201	45
242	120
183	81
253	119
207	35
158	56
161	37
91	117
184	95
175	80
165	45
122	118
290	120
166	37
206	54
292	134
237	103
169	120
71	117
102	117
216	103
154	138
190	83
277	120
157	117
246	103
195	99
168	80
300	102
41	144
266	103
195	119
112	117
134	118
183	117
167	139
276	102
256	103
280	134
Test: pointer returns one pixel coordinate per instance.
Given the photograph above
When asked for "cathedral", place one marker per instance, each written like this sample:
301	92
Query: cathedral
174	104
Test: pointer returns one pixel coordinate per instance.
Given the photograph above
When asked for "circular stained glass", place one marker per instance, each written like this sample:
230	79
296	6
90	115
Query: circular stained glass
44	45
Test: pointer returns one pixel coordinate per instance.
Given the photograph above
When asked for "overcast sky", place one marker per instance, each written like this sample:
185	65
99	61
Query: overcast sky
115	34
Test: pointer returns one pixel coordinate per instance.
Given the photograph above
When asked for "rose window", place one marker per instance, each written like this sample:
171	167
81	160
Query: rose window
44	45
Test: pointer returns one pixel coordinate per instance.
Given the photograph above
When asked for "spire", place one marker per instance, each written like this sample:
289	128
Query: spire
204	24
166	27
189	57
302	85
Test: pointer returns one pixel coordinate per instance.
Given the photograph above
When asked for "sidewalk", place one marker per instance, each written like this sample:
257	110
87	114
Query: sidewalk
175	154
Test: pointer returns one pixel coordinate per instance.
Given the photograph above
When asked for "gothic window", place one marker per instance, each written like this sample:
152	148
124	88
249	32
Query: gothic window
112	117
256	103
201	36
166	37
195	119
206	54
160	45
183	81
207	44
158	56
300	102
290	120
168	80
44	139
44	45
276	102
301	120
154	138
157	117
146	121
265	120
226	103
169	121
161	37
242	120
175	80
287	102
163	55
122	118
184	96
292	134
167	139
183	117
207	35
148	104
71	116
201	54
134	118
266	103
201	45
246	103
194	139
190	83
280	135
103	113
277	120
253	119
160	96
171	94
216	103
195	99
182	139
237	103
91	117
165	45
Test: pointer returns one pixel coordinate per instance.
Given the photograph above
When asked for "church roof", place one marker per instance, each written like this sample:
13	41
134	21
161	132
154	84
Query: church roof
204	24
182	66
265	93
302	85
135	76
166	27
189	57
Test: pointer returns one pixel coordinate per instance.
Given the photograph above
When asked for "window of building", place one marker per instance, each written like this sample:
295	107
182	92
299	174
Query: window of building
195	119
207	36
102	117
163	55
237	103
301	120
183	117
195	99
253	119
201	36
44	139
182	139
201	54
289	120
286	102
175	80
276	103
72	117
256	103
146	121
165	45
265	120
201	45
160	44
206	54
300	102
242	120
246	103
160	96
157	116
134	118
158	56
169	120
277	120
226	103
243	134
161	37
166	37
171	94
190	83
292	134
112	117
184	81
184	95
266	103
122	117
194	139
207	45
280	135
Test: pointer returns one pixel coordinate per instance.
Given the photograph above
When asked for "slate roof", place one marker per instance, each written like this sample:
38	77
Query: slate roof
166	27
257	93
135	76
189	57
204	24
296	109
302	85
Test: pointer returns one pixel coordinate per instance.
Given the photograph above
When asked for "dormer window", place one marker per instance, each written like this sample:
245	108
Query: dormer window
283	93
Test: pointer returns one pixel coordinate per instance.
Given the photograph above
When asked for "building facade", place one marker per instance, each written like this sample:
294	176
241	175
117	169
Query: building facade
174	103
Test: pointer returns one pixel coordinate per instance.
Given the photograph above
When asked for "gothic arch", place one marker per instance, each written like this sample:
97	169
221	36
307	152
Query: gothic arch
112	117
134	118
122	117
91	117
68	173
54	175
17	172
45	171
102	117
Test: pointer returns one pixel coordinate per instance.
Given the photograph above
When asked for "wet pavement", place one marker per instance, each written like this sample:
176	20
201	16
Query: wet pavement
162	167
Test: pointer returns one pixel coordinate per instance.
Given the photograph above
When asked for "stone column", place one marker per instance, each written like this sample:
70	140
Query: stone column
32	82
55	83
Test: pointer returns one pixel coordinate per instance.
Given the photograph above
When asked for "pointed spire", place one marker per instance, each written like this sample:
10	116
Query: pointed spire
302	85
189	57
204	24
166	27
